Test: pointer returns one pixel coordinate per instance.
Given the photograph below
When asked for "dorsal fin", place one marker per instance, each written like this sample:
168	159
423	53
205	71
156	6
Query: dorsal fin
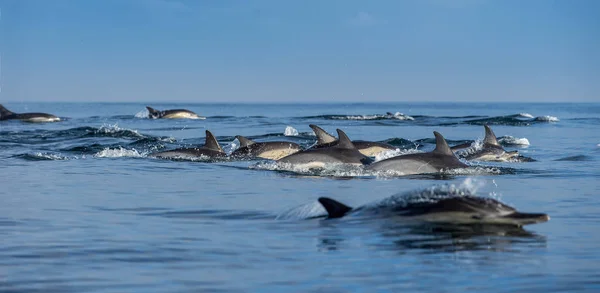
441	146
5	112
343	141
335	209
322	136
490	137
153	112
211	142
244	142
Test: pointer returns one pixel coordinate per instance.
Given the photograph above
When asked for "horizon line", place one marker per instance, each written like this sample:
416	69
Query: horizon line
308	102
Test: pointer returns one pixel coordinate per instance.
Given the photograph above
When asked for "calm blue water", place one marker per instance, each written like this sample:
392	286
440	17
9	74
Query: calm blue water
84	210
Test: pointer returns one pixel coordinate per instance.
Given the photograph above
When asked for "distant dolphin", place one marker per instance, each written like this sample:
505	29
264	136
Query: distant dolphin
172	114
462	210
343	152
210	150
441	158
491	150
271	150
6	114
367	148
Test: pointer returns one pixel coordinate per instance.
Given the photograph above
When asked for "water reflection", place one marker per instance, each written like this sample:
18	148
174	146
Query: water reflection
432	239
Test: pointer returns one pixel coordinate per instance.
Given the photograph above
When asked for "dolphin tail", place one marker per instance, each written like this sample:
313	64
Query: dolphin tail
344	142
441	146
322	136
211	142
153	112
244	142
335	209
5	112
490	137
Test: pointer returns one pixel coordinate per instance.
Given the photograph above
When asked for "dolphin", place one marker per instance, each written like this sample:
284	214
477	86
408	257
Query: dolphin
210	150
441	158
271	150
343	152
491	150
6	114
367	148
172	114
461	210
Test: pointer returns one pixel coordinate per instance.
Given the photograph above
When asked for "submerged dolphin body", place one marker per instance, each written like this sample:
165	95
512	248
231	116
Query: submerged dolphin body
271	150
461	210
367	148
343	152
491	150
441	158
6	114
172	114
210	150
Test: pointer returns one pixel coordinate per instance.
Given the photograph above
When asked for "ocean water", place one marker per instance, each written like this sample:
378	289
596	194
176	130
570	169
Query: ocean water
83	209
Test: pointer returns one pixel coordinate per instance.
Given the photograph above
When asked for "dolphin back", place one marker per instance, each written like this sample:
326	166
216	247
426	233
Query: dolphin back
212	143
5	113
335	209
322	136
490	137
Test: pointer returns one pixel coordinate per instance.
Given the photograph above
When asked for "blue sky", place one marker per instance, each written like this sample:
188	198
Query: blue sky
300	51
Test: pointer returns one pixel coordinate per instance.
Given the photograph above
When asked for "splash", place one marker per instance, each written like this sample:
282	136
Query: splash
118	153
113	130
305	211
39	156
290	131
401	116
143	114
326	170
394	153
232	146
510	140
547	118
525	115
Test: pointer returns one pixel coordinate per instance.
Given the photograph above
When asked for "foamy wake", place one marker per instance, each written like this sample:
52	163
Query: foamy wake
232	146
397	116
401	116
48	156
394	153
290	131
114	128
332	169
118	153
547	118
525	115
510	140
142	114
342	170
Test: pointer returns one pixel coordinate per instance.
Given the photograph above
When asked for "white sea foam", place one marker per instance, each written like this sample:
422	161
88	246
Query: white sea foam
118	153
510	140
309	210
48	156
394	153
142	114
547	118
525	115
401	116
290	131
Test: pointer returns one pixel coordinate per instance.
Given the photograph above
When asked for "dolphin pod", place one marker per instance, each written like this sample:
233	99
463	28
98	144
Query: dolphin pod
465	209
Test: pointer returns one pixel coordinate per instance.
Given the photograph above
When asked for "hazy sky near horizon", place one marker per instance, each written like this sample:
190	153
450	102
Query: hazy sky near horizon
300	51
